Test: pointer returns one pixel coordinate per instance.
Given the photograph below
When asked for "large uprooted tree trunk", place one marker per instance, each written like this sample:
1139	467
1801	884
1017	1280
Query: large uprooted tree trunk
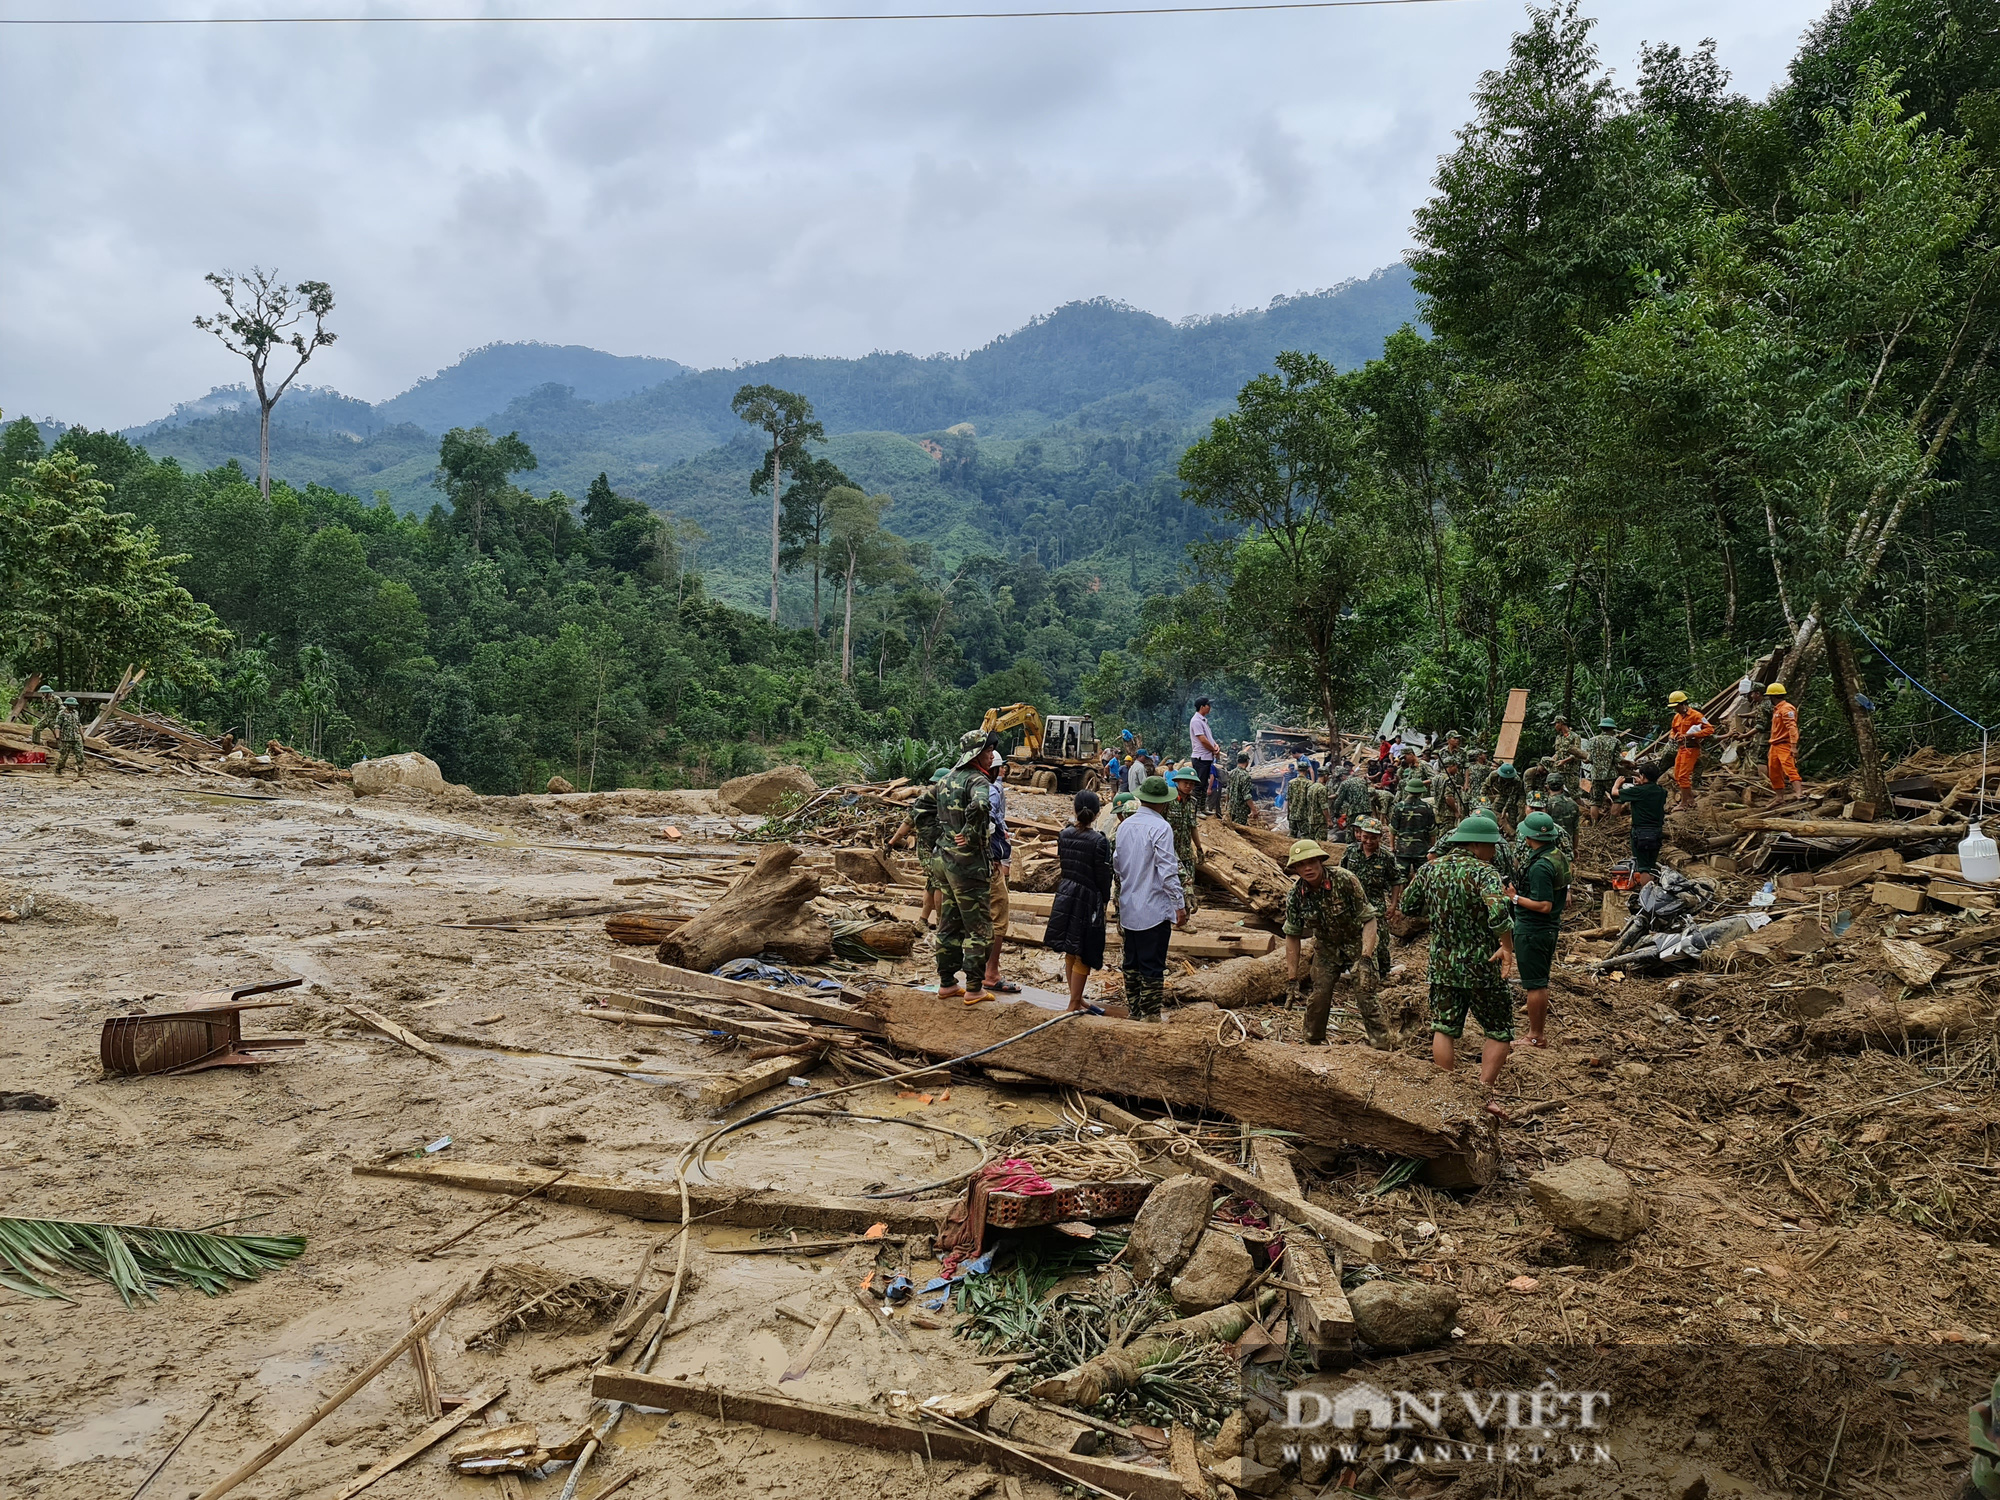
764	912
1383	1101
1230	862
1237	982
1883	1023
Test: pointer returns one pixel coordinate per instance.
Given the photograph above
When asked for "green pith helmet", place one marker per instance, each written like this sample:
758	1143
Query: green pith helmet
1370	825
1477	829
1184	777
69	703
1607	722
1304	850
1540	827
1123	799
940	773
1507	772
1555	782
1155	792
1454	734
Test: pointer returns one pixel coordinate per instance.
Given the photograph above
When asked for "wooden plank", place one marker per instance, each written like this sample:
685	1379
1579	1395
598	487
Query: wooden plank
868	1429
1965	897
789	998
1511	721
401	1033
625	1010
1334	1094
1837	828
1907	898
1267	1192
658	1199
1319	1306
130	680
717	1094
439	1430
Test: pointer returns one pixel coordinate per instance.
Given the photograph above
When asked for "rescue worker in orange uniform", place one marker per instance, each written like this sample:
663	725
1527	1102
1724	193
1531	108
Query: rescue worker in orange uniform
1690	727
1784	762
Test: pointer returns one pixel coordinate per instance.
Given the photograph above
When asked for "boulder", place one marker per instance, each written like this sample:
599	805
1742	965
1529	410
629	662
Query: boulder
760	793
559	786
1246	1476
1214	1274
417	772
1398	1316
1590	1197
1167	1226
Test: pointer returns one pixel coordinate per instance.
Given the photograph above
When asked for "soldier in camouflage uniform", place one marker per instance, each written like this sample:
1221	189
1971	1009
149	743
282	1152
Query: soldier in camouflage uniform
1503	852
1351	801
1536	777
1242	792
1182	814
1566	760
1600	759
1520	850
965	829
1329	906
1380	876
1298	801
1415	825
921	824
1562	807
1466	903
1503	792
69	737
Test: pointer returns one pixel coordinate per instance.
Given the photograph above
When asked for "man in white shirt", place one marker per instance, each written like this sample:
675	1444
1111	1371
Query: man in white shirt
1151	903
1202	748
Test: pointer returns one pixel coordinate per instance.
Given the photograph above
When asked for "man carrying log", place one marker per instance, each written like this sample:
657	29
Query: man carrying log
1472	947
965	861
1331	907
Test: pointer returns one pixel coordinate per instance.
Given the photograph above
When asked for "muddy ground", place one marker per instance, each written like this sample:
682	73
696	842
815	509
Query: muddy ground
1810	1313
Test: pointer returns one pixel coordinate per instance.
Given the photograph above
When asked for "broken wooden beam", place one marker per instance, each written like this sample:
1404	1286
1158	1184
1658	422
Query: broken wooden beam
870	1429
1267	1192
437	1432
793	999
1319	1307
716	1094
400	1033
1337	1095
658	1199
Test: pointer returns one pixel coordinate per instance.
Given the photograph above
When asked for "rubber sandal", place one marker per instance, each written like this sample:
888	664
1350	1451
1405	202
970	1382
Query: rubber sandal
976	997
1004	987
951	992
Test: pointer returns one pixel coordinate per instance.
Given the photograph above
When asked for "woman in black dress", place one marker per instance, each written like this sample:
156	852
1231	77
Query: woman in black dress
1076	916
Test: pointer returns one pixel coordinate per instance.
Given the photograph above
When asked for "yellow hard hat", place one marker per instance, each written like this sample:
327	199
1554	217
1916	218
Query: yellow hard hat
1775	690
1677	697
1304	850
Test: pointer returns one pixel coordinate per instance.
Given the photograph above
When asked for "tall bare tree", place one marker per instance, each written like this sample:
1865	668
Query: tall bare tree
788	417
260	318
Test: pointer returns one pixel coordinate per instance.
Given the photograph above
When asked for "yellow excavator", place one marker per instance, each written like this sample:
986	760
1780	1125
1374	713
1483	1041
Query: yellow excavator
1058	754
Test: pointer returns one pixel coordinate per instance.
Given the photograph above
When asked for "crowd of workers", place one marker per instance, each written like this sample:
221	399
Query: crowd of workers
1480	851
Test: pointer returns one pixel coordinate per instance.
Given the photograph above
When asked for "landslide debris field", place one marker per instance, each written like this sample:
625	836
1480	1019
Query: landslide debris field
1810	1140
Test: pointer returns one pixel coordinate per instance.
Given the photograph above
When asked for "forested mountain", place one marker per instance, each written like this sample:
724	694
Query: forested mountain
1075	422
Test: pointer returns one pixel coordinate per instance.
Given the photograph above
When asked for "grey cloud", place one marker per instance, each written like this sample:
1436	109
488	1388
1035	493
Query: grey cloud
719	193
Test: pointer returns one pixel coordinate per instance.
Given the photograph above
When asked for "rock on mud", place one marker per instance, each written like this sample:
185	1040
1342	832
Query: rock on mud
1214	1274
1167	1226
1590	1197
1398	1316
411	769
760	793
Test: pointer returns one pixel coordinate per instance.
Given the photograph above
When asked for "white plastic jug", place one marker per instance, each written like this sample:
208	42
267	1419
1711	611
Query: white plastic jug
1978	862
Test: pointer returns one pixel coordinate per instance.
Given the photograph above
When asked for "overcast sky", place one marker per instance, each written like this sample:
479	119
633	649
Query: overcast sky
715	193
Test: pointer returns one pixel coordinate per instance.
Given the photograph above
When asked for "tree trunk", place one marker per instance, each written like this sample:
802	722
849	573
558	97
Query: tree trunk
1847	682
1234	983
264	450
777	486
847	626
1381	1101
1233	863
765	911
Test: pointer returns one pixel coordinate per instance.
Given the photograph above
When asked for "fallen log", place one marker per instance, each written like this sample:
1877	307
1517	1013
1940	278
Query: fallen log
1886	1024
892	938
1336	1095
1234	984
791	998
763	912
1234	864
1274	845
659	1199
1841	828
864	1428
640	930
1119	1369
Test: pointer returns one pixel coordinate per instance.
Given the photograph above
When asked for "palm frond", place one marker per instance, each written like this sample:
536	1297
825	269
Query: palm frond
134	1258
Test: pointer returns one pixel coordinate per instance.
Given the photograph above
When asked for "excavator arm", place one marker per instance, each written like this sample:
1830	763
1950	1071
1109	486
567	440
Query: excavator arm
1023	716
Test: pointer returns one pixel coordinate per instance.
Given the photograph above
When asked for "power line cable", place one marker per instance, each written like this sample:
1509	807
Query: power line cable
708	20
